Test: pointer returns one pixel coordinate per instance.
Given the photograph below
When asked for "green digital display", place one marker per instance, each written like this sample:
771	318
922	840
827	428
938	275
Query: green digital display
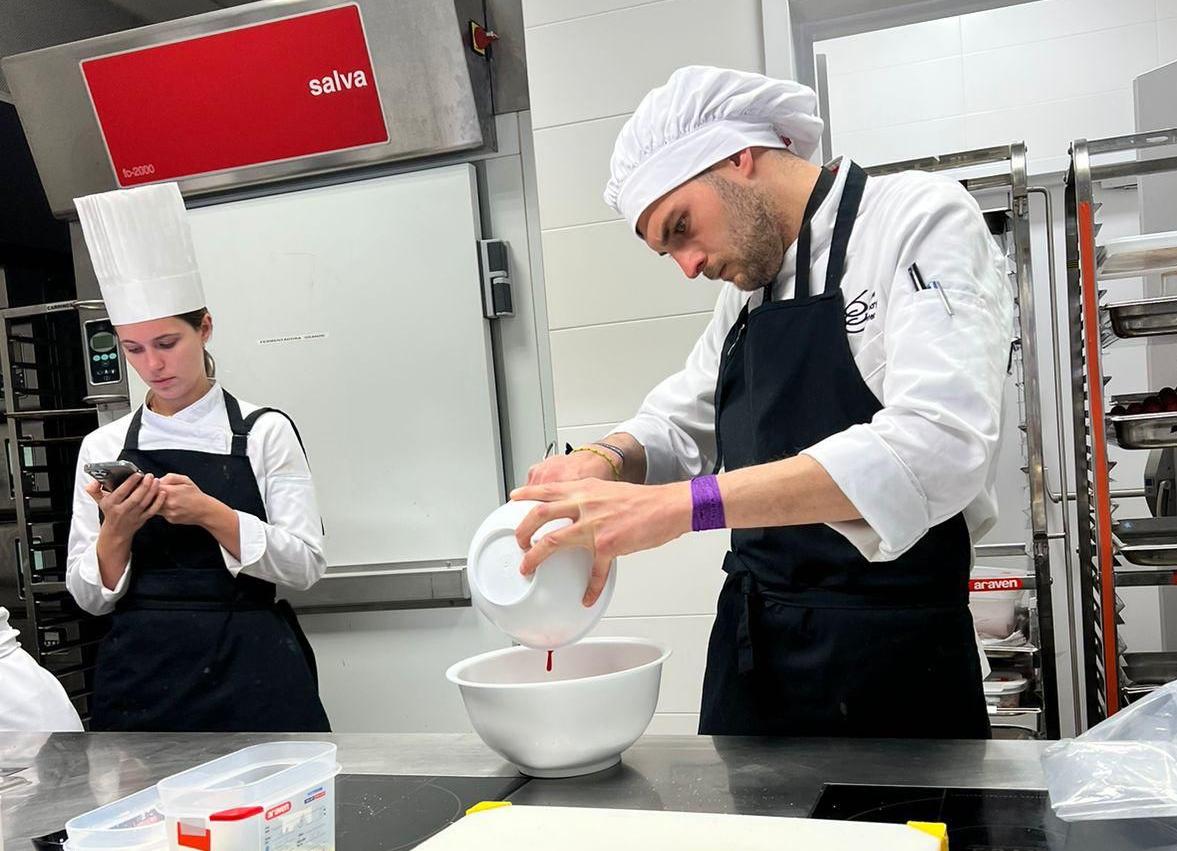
103	341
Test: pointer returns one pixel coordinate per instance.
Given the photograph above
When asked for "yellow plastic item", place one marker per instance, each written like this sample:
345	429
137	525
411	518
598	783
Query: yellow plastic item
932	828
483	806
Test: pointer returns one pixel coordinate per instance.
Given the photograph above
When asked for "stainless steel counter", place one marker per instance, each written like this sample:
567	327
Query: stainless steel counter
72	773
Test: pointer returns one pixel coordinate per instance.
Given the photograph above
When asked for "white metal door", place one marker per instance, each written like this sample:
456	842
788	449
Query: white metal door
356	308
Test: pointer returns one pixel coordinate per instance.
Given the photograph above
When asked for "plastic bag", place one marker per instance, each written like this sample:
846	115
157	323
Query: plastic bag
1124	767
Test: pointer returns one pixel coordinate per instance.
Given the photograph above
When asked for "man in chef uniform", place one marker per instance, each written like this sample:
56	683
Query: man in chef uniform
853	403
31	698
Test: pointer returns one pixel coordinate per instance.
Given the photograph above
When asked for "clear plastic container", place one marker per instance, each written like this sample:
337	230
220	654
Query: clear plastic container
994	599
135	823
269	797
1004	688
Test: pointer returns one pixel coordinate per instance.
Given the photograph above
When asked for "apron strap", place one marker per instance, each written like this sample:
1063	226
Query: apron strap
843	225
748	590
248	425
745	648
237	425
132	440
729	345
253	418
825	182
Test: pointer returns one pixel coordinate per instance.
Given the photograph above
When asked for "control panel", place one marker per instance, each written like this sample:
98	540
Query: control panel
102	352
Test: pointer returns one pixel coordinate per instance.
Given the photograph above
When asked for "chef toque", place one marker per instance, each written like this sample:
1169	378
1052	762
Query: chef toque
701	116
141	248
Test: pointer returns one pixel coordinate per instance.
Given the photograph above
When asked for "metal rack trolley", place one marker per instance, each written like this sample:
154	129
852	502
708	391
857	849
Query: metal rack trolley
1106	561
1011	225
48	415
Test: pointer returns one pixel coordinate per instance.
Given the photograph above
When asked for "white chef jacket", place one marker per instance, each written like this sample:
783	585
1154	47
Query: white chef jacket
930	452
286	549
31	698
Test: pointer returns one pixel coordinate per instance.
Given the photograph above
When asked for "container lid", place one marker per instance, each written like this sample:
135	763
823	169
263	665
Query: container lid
134	823
1004	682
248	777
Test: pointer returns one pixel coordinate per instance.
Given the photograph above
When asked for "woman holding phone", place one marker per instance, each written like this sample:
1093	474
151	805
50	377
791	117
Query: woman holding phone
218	510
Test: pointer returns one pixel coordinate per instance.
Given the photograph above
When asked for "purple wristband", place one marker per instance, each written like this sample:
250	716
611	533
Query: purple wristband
706	504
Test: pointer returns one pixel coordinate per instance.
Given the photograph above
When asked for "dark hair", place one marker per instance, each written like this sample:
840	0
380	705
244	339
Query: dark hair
195	318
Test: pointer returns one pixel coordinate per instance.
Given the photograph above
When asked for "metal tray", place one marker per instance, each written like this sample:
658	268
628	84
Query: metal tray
1144	318
1147	530
1150	555
1143	431
1153	668
1147	541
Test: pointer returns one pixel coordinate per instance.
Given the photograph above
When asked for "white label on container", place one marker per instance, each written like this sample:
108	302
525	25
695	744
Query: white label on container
305	822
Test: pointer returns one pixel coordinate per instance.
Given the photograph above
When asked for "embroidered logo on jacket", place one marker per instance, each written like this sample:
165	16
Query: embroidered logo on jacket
860	310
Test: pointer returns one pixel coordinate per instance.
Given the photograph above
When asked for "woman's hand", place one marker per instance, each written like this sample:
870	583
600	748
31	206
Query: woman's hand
187	504
129	506
124	511
609	519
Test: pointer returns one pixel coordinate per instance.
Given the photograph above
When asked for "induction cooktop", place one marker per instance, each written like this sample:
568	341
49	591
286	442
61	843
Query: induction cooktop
991	819
380	812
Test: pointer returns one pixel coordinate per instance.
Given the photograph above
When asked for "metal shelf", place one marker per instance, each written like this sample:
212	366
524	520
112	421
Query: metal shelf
47	587
48	414
50	441
1141	577
1006	652
69	670
1092	326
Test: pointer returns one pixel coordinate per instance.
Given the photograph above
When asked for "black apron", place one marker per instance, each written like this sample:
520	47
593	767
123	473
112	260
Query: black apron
811	639
193	648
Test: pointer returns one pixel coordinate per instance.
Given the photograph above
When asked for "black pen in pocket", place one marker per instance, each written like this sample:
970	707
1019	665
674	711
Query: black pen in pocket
918	280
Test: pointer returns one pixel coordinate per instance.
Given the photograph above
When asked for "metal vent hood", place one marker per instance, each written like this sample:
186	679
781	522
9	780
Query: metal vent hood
434	90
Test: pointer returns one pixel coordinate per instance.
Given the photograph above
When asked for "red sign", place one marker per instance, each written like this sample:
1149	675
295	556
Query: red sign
1008	583
262	93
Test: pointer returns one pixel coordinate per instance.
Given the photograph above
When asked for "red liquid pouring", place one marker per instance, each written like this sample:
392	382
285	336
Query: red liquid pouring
549	661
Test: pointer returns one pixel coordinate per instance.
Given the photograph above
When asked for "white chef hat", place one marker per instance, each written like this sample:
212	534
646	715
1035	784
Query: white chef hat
141	248
700	116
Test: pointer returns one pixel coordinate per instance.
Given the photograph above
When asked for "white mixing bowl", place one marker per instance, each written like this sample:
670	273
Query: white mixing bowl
578	718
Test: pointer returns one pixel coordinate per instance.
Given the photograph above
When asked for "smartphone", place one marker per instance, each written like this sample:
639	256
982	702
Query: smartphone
111	474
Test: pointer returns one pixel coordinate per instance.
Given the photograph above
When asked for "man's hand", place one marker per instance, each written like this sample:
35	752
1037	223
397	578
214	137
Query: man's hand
569	468
609	519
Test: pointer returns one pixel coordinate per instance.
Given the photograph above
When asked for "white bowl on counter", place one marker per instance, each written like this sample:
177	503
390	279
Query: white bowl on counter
578	718
544	610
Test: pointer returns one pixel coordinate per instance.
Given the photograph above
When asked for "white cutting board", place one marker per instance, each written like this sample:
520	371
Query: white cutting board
583	829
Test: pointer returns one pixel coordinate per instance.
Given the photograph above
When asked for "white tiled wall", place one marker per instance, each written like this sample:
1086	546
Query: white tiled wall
1167	37
613	277
601	65
602	372
622	318
1045	72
